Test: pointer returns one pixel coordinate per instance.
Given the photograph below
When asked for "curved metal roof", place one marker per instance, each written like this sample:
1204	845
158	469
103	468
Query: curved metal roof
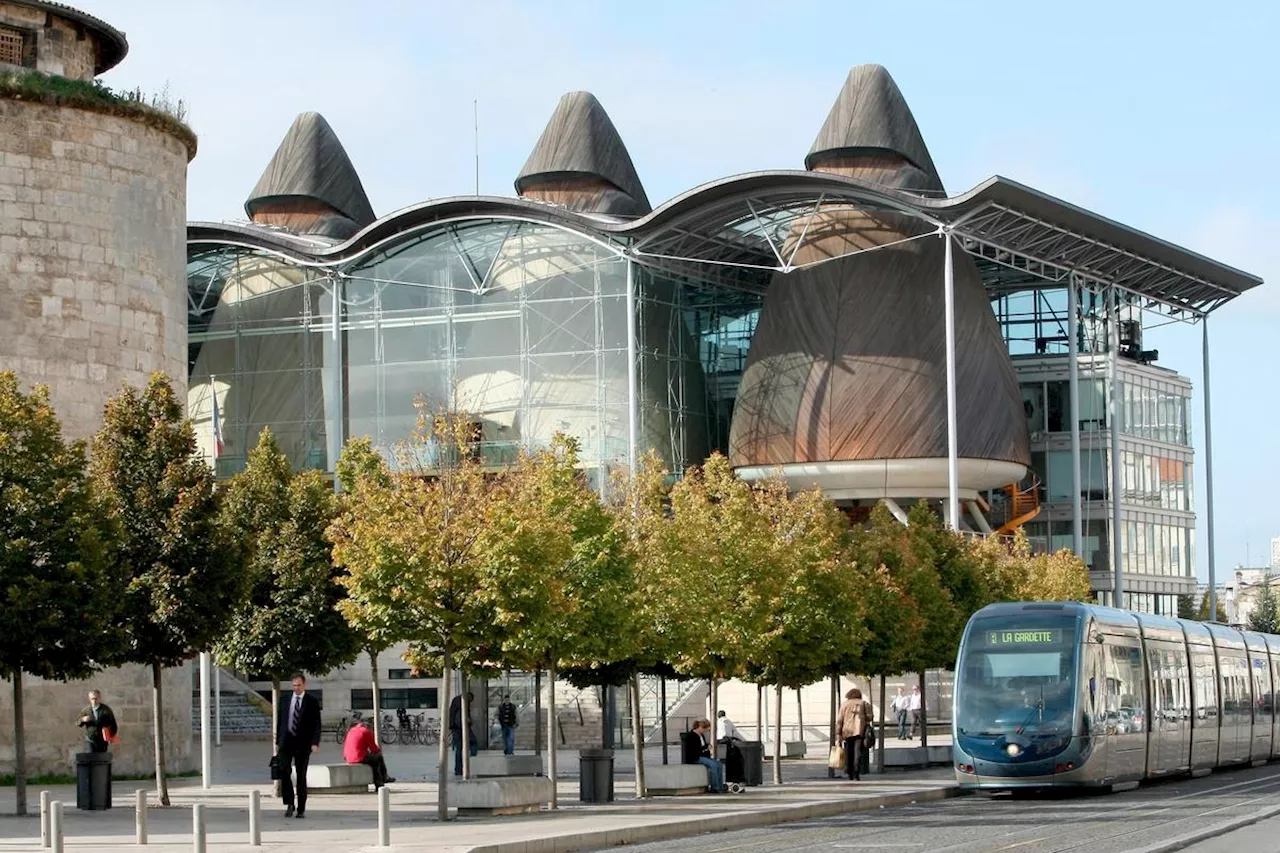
727	229
112	44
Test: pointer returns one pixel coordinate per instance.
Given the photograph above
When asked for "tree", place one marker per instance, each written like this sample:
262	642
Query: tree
1186	607
57	614
288	622
559	577
415	543
1265	616
1202	612
1016	574
184	572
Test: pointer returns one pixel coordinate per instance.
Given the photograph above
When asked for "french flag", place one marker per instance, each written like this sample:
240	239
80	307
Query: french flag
217	421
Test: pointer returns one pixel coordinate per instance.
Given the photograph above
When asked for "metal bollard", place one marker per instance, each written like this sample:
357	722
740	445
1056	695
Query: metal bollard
140	815
44	819
55	826
384	817
197	827
255	818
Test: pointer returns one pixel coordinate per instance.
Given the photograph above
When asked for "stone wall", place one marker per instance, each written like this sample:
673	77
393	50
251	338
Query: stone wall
53	738
92	255
60	49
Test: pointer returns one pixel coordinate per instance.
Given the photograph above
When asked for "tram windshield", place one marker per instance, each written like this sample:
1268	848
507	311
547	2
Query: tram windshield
1017	676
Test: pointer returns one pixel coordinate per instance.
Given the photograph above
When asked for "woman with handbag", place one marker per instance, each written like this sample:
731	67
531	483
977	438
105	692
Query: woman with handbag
853	725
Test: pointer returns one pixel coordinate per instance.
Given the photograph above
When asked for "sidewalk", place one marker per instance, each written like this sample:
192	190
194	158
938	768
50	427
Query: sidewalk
341	823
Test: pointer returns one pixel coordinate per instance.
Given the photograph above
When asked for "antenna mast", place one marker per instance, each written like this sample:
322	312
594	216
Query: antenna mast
475	115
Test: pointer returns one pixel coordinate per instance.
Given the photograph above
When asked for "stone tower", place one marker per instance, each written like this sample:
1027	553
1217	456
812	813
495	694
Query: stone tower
92	295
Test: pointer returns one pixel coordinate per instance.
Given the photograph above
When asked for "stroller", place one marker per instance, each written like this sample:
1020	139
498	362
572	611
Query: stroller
734	767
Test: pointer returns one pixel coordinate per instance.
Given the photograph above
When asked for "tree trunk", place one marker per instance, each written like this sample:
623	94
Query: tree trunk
275	729
551	732
715	746
537	712
466	728
446	684
157	714
880	741
662	699
637	734
799	714
924	718
377	698
759	714
19	748
777	735
835	701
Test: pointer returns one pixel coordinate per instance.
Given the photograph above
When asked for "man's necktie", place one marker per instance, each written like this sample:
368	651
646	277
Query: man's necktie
294	715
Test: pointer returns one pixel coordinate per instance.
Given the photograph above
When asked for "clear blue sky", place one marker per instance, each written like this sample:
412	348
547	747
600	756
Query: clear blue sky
1162	115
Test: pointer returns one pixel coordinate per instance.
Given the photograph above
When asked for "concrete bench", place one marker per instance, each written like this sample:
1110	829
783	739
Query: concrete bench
790	749
339	778
506	765
503	795
675	780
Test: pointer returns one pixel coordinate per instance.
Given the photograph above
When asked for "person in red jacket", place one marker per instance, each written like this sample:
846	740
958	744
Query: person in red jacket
360	747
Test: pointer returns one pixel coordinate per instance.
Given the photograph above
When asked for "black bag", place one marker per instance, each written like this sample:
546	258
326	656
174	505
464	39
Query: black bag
869	736
275	767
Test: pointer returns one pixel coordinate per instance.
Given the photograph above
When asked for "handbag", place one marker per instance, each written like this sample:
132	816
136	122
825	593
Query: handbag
836	759
869	736
274	765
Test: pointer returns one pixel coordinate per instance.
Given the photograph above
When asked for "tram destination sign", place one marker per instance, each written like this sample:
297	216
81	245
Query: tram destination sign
1024	637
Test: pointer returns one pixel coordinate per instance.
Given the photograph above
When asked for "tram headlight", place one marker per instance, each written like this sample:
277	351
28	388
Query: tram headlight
1013	750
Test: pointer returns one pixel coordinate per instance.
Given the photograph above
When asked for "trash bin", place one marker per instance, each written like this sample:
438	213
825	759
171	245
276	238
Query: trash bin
750	761
93	780
595	775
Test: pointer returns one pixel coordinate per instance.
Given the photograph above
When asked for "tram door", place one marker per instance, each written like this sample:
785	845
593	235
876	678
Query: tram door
1126	708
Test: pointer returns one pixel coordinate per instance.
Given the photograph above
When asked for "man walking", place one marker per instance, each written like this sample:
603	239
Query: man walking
508	721
901	708
299	736
99	724
914	706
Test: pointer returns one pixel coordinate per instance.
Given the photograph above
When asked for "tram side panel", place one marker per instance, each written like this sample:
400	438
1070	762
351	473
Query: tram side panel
1273	654
1236	722
1204	697
1260	696
1126	717
1169	728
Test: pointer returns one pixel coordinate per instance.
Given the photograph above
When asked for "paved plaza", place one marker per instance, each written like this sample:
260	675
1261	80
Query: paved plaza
349	822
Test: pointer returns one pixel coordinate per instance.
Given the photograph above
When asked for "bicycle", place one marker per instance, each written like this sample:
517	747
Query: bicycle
345	724
390	731
431	732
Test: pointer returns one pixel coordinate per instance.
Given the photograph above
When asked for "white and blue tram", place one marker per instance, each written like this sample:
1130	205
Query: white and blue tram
1051	694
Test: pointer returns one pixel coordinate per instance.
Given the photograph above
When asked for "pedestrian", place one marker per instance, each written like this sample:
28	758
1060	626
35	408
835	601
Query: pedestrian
298	738
99	724
361	747
725	729
455	730
508	720
852	724
901	709
915	711
715	770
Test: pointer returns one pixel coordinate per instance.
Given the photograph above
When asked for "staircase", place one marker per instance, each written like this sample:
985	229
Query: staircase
579	718
1023	505
239	718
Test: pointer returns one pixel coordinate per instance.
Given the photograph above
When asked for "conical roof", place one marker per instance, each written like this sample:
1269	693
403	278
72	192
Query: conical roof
870	115
580	140
311	163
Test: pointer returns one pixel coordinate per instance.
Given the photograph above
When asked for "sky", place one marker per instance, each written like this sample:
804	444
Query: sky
1161	115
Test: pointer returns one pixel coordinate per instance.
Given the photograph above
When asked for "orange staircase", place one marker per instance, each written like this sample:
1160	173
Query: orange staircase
1024	505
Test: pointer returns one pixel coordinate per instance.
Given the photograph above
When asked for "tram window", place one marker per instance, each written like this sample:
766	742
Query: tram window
1126	708
1261	686
1236	708
1204	676
1275	680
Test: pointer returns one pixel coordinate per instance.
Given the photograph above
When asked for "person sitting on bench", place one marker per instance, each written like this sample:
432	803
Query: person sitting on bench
702	728
361	747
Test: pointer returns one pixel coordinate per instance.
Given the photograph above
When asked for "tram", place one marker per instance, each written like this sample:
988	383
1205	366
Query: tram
1066	694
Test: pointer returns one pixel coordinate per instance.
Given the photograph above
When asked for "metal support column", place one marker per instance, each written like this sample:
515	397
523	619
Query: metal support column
206	731
633	406
1208	477
1073	384
952	515
1113	424
336	359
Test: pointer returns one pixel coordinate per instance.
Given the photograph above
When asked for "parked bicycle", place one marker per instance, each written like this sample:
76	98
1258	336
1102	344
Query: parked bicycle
345	724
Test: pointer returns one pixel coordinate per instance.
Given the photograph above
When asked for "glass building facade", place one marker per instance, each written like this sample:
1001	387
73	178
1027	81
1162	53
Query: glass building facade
521	325
1157	533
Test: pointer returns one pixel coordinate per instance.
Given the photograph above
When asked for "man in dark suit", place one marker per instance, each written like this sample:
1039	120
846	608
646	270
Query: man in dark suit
99	724
299	736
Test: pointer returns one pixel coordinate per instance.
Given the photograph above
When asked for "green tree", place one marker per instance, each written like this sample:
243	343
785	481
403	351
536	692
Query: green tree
57	618
416	543
288	622
184	571
1186	607
1266	615
559	578
1016	574
1202	612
